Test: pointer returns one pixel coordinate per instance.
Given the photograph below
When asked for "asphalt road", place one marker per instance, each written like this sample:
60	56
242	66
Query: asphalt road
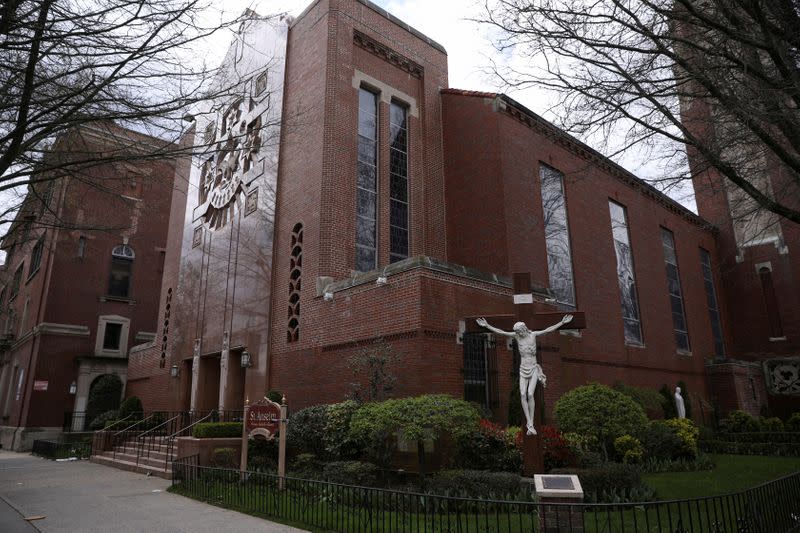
83	497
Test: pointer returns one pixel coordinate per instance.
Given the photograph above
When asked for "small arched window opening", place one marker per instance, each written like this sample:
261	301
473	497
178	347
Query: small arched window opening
295	278
119	284
771	302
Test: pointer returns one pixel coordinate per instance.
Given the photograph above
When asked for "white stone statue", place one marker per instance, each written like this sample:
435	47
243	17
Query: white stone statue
679	403
530	372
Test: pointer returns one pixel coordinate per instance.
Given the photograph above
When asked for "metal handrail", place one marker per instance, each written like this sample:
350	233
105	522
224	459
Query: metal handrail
115	422
151	433
171	438
134	425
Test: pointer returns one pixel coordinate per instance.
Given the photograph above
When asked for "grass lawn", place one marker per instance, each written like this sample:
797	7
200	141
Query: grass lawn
733	473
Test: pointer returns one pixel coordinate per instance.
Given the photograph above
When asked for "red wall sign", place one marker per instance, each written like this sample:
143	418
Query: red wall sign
264	414
40	385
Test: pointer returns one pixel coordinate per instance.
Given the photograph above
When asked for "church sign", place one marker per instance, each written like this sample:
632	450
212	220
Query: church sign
263	419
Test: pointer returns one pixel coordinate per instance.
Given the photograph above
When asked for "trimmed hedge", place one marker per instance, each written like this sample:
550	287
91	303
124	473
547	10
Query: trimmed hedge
351	473
217	430
224	458
751	448
610	478
476	484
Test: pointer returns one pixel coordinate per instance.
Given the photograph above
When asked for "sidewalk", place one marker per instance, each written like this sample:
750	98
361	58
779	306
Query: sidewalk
80	496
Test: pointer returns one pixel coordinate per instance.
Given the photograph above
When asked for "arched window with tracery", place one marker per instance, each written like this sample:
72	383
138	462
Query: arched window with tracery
119	283
295	271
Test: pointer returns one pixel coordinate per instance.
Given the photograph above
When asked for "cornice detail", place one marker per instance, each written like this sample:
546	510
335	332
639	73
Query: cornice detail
387	54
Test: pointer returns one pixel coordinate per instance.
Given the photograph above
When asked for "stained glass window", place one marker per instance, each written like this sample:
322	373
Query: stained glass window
367	182
674	290
713	307
398	182
625	274
556	233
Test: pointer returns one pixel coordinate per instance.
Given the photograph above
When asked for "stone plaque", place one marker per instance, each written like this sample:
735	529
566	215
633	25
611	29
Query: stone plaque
557	487
558	482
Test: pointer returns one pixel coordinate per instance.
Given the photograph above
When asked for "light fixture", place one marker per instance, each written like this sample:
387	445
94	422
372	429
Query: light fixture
381	280
246	362
73	388
173	371
328	296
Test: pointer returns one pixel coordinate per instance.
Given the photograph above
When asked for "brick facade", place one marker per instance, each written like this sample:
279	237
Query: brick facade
475	218
52	325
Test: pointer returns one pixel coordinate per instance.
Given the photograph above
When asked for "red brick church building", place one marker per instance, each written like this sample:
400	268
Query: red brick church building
364	199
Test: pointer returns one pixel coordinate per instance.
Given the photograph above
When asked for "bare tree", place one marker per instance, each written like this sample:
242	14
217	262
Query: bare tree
127	69
714	82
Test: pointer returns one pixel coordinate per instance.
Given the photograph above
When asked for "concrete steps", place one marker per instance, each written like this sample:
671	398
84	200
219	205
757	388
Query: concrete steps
154	460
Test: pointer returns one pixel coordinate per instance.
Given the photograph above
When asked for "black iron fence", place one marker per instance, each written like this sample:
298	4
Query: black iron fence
53	449
770	508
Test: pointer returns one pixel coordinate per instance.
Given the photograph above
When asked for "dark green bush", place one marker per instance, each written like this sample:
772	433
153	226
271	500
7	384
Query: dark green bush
610	478
217	430
793	423
351	473
306	466
649	399
339	443
751	448
772	424
306	431
105	393
102	420
225	458
476	484
656	466
275	396
670	410
739	422
262	455
599	412
687	399
489	448
661	441
131	405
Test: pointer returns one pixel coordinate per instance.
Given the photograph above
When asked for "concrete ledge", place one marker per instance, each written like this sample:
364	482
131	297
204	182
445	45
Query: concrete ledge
187	446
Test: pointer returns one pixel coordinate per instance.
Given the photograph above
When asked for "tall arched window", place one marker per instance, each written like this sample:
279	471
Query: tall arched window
119	283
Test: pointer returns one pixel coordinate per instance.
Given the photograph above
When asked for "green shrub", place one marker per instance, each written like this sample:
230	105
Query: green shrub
306	429
687	400
688	433
793	423
657	466
262	455
306	466
104	419
339	444
105	393
584	448
420	418
275	396
629	449
610	478
661	441
351	473
217	430
650	399
773	424
131	405
490	447
225	458
739	422
476	484
670	410
601	412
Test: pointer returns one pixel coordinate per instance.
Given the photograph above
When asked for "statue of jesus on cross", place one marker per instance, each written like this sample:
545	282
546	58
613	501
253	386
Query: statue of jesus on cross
530	372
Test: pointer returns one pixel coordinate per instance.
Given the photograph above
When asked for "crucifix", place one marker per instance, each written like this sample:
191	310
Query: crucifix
524	327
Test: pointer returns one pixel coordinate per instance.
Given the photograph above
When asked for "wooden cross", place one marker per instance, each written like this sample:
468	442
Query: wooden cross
533	451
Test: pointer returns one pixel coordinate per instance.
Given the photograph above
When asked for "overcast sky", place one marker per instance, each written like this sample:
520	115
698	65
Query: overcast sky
470	56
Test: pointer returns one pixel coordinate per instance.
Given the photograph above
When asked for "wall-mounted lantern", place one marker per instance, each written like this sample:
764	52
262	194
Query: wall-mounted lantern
246	361
73	388
173	371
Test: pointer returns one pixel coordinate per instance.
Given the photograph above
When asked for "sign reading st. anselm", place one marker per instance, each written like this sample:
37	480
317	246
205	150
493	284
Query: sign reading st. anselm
263	415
